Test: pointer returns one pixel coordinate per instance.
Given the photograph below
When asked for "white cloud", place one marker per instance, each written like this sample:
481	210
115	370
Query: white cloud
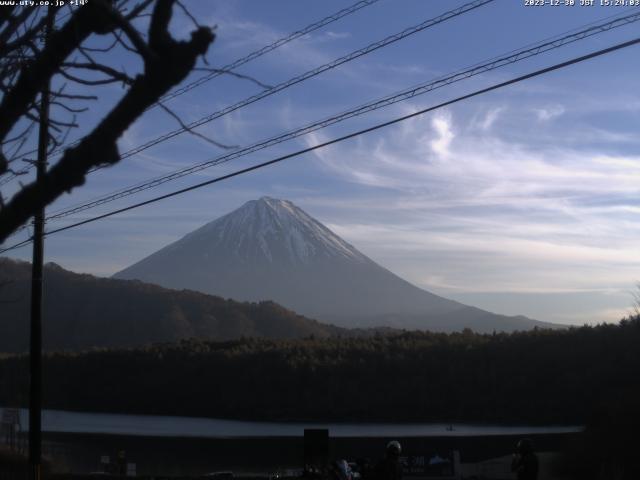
471	210
490	118
332	34
442	125
550	112
241	36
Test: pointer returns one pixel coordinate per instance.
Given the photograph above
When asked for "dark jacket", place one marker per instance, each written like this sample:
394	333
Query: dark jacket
388	469
525	466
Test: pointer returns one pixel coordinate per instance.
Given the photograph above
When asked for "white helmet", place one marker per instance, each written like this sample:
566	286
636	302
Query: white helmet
394	447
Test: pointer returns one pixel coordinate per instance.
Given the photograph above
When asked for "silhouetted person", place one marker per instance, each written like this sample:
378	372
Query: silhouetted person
525	462
339	470
390	468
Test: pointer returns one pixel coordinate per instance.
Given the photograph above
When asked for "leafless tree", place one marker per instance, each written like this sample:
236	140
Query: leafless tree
80	54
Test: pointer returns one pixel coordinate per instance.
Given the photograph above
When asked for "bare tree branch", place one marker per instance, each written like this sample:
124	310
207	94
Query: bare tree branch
139	45
14	24
188	14
74	97
93	17
111	72
82	81
68	108
234	74
5	14
19	135
192	131
20	145
166	63
108	48
138	9
25	39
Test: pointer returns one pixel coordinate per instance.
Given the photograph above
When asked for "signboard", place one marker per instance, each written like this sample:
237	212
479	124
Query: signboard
10	416
432	465
10	427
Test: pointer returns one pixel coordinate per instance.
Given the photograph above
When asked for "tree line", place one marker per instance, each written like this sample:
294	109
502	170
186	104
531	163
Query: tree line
536	377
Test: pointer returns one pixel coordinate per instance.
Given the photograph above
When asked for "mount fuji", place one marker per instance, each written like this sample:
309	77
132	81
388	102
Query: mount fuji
269	249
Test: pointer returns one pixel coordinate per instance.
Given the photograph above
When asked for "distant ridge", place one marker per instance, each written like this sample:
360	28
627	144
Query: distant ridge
270	249
83	311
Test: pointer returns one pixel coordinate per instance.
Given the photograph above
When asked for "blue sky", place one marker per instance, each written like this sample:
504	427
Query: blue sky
521	201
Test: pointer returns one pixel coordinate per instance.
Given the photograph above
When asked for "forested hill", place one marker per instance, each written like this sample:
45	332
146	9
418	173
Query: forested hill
271	248
82	311
541	376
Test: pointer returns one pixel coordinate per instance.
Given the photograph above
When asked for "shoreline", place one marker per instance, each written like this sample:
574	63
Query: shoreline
73	422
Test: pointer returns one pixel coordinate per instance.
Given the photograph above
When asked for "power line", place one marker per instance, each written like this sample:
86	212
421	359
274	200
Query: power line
231	66
268	48
494	63
17	245
298	79
309	74
476	93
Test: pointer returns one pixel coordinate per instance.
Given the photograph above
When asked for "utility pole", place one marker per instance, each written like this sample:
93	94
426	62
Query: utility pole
35	358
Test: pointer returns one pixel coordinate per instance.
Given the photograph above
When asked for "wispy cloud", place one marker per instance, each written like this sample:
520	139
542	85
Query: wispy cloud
534	217
441	124
550	112
489	118
327	36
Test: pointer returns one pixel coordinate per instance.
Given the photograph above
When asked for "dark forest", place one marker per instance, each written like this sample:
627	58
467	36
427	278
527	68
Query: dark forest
537	377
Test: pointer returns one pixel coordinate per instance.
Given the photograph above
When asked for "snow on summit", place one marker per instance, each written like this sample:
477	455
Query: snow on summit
267	225
270	249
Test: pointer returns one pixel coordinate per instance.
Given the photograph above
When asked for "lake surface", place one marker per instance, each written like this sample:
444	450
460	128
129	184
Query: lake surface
166	426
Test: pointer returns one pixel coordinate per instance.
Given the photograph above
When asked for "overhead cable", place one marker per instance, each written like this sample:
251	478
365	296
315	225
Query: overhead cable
476	93
309	74
229	67
494	63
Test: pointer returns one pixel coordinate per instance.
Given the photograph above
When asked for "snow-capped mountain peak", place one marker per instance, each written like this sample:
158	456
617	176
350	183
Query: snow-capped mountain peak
277	230
269	249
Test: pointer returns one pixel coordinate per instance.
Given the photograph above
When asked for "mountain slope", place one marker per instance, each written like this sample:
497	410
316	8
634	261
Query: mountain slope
82	311
269	249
